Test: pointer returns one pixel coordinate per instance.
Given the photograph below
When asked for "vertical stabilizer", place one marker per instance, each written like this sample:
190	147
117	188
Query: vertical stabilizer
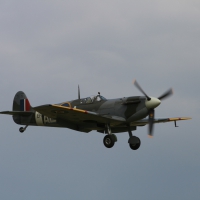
21	102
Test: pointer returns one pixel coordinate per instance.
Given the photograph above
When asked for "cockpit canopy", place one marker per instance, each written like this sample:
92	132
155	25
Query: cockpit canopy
87	100
92	99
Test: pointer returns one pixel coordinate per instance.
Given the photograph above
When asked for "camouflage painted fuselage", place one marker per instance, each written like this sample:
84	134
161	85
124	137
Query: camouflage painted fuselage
128	108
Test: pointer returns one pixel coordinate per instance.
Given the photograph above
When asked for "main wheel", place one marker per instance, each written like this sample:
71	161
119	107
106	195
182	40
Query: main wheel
136	145
21	129
108	141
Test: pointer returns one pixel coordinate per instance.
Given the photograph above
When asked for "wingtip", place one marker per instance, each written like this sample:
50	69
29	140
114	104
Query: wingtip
179	118
186	118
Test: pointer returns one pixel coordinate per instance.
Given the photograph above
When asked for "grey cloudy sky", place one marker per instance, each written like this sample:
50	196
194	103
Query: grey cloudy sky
49	47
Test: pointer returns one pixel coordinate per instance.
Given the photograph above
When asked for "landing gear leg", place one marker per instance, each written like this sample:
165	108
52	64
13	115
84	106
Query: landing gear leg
110	139
22	129
109	129
134	142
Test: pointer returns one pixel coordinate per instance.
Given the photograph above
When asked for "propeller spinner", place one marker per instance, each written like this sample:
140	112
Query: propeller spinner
152	103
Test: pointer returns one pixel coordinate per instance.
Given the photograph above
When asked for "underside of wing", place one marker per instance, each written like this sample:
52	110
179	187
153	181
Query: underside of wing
143	122
77	115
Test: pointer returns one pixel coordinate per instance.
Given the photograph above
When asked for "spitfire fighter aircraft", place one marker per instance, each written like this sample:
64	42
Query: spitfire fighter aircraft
106	116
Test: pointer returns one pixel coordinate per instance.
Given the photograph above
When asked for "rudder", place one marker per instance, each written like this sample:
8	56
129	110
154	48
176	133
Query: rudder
21	102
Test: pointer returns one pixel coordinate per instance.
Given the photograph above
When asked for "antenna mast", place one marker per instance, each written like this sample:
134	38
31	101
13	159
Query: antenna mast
78	92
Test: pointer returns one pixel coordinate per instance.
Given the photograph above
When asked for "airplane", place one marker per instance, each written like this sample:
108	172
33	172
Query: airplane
107	116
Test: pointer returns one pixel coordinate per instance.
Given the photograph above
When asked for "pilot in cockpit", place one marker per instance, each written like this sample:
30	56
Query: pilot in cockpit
97	98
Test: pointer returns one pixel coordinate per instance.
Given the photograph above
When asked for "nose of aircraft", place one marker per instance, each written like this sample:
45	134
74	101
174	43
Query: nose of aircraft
153	103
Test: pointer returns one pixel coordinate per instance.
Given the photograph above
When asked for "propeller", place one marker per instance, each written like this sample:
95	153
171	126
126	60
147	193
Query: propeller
166	94
152	103
151	121
141	90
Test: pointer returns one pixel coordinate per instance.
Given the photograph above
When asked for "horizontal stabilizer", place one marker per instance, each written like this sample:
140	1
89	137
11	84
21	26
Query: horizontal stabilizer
22	113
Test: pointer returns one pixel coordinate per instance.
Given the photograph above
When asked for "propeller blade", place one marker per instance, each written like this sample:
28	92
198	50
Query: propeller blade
151	121
166	94
141	90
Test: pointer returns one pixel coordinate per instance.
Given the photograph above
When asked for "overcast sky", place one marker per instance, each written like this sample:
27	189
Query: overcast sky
49	47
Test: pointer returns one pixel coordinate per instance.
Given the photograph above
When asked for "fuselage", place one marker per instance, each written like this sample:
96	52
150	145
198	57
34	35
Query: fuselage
129	108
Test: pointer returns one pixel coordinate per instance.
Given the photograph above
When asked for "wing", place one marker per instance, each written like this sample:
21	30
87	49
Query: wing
77	115
143	122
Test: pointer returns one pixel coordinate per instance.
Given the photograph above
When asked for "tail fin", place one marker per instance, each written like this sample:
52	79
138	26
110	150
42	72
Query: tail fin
21	102
22	111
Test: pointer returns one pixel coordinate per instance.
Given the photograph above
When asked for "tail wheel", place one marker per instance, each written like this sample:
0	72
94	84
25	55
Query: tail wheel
21	129
109	141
